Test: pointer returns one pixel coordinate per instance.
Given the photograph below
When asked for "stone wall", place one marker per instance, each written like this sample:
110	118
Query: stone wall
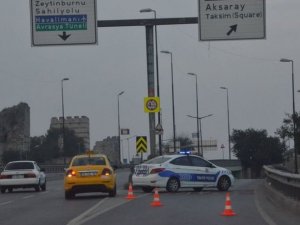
15	128
80	126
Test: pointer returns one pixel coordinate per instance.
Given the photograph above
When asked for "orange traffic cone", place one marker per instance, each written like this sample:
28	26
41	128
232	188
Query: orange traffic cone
130	194
228	210
156	200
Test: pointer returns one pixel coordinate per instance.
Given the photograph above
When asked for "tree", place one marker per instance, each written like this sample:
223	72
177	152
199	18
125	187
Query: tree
10	155
185	141
286	131
46	147
255	148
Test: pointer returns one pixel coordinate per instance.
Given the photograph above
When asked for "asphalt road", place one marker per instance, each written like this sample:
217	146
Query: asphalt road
27	207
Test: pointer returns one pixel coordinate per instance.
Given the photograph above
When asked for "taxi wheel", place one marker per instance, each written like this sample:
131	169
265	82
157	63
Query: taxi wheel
69	195
113	192
3	190
173	185
223	183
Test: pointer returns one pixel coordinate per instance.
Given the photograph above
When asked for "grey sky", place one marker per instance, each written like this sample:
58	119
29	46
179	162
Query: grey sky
259	85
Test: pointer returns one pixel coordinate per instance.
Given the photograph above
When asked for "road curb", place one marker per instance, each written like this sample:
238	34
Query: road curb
285	201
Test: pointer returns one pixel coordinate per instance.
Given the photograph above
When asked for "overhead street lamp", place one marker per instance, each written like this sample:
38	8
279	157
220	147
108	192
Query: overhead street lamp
173	105
63	118
199	119
128	147
294	114
198	141
228	122
119	129
157	75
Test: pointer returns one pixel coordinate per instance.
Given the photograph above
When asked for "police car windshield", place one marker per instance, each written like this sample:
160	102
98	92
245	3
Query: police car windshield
157	160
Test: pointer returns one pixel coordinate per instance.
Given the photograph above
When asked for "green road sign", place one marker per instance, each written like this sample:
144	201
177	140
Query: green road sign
63	22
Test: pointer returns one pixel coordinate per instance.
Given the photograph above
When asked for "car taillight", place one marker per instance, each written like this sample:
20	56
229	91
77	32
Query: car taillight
29	175
157	170
70	173
106	172
2	176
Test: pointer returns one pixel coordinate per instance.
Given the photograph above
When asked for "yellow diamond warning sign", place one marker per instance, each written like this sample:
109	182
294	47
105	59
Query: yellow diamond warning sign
141	144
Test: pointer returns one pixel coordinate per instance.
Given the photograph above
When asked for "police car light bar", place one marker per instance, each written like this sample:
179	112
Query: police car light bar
185	152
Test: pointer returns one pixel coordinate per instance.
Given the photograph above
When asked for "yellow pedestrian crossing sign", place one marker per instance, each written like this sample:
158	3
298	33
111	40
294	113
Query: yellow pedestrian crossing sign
151	104
141	144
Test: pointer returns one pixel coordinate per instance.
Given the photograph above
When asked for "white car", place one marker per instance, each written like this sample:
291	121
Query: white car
22	174
181	171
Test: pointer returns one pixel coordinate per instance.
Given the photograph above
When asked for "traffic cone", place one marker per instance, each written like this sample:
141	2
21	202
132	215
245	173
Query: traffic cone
156	200
130	194
228	210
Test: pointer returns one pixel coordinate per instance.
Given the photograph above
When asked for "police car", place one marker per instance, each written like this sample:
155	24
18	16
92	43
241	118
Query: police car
181	171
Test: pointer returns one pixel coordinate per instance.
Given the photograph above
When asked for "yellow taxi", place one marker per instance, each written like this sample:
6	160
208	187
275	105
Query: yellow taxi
89	173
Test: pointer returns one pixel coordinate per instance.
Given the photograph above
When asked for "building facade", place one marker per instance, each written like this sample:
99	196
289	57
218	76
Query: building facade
110	147
15	129
80	126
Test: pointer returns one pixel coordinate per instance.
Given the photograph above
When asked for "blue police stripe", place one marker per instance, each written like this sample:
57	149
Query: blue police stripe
191	176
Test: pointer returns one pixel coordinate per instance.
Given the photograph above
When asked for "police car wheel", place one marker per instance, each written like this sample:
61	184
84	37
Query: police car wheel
173	185
198	189
223	183
147	189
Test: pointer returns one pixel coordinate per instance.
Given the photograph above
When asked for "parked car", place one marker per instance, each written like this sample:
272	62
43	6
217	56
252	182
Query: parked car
89	173
181	171
22	174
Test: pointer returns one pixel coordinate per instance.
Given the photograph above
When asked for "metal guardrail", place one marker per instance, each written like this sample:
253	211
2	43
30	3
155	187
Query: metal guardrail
53	168
59	168
285	182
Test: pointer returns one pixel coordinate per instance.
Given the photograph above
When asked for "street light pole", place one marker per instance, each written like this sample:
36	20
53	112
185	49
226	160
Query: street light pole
63	118
198	141
228	122
199	119
128	148
294	114
157	76
119	129
173	105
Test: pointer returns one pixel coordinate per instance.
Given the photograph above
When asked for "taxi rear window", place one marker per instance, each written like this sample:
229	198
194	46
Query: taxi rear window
83	161
157	160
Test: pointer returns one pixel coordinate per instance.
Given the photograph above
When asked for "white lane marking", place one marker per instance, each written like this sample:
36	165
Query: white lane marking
83	218
100	212
5	203
76	220
28	196
263	214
